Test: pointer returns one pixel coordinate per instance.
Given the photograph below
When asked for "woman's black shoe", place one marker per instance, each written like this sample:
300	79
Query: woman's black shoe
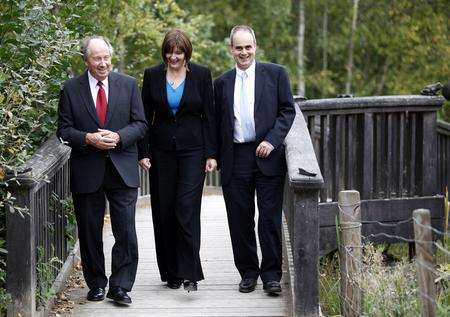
190	286
174	284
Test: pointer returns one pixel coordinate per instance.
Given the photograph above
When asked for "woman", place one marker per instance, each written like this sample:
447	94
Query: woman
179	147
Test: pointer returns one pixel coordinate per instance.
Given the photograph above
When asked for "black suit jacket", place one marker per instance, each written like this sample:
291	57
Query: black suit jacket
77	116
274	113
193	124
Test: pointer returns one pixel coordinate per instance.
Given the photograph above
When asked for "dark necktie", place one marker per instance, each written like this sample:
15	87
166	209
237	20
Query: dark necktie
101	105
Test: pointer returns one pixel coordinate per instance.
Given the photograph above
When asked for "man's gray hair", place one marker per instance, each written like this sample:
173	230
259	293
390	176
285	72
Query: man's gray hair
85	45
241	28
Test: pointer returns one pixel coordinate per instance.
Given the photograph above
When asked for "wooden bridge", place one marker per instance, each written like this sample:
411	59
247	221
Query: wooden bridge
217	295
391	149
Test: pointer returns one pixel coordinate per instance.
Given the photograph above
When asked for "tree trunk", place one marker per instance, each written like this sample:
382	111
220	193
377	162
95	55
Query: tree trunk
325	44
301	42
348	84
384	71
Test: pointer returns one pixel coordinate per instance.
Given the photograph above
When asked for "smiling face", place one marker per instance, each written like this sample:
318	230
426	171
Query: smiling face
243	49
176	59
176	49
98	60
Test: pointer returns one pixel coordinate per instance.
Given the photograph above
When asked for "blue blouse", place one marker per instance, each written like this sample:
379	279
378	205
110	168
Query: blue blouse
174	96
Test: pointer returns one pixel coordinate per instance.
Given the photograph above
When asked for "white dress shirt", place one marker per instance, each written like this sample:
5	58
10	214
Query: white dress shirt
94	87
238	135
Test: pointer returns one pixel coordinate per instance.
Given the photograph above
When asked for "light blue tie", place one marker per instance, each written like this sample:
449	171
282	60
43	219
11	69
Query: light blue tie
248	128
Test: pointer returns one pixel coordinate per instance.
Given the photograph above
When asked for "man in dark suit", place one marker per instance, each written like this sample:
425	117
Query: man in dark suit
254	111
101	117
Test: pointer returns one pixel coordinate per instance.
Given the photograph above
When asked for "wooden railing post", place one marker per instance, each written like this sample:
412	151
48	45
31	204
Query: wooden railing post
21	268
301	211
425	261
350	257
429	155
30	191
306	252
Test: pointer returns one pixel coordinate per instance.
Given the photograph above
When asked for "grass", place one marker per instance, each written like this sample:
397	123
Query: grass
389	288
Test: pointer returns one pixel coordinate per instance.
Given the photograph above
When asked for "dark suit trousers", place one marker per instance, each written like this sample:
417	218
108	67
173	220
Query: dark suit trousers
177	178
239	195
89	211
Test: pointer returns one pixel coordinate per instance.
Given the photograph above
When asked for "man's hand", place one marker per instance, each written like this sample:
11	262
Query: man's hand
110	135
264	148
145	163
211	165
99	141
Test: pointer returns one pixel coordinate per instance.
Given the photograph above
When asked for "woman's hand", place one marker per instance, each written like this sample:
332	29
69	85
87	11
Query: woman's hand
145	163
211	165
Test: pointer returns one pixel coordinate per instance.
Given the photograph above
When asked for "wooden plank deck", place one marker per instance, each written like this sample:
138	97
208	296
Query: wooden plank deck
217	294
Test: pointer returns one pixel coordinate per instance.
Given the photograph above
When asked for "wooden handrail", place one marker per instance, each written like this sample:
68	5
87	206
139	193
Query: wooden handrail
39	191
47	159
301	212
370	104
300	154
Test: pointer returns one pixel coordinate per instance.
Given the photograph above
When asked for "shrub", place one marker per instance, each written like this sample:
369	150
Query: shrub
36	47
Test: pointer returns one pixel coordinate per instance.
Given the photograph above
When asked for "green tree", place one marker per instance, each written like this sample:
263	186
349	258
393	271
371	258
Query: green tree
274	22
400	46
36	47
138	28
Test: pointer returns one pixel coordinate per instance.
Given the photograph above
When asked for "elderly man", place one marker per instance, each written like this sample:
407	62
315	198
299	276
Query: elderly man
101	118
255	110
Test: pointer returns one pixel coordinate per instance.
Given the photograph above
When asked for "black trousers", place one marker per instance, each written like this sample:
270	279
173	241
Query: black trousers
176	184
239	195
89	211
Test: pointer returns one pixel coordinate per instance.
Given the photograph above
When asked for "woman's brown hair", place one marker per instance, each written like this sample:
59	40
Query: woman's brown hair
174	39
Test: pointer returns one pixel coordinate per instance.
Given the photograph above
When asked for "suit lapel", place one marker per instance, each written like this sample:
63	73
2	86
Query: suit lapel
259	85
161	84
113	94
229	92
86	95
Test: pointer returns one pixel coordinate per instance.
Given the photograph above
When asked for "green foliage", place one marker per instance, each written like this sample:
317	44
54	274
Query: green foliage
400	47
71	225
5	298
34	57
46	274
138	29
274	22
329	285
36	47
388	289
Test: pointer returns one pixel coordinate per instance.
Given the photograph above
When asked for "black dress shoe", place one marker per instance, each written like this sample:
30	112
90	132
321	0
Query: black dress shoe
190	286
96	294
174	284
119	296
247	285
272	287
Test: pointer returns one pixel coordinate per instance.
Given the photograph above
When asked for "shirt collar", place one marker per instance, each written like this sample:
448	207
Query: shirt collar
250	70
93	82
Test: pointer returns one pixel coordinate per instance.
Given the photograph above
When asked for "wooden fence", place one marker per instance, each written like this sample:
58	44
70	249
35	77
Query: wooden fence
443	155
300	208
352	266
384	147
41	230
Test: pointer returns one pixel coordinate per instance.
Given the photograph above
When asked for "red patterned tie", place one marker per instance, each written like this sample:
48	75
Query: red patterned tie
101	105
